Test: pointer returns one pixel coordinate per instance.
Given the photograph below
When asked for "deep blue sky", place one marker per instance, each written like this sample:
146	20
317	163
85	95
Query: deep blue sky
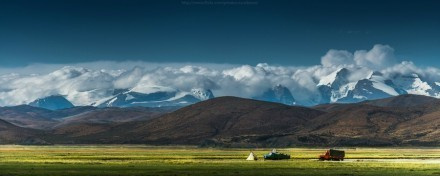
276	32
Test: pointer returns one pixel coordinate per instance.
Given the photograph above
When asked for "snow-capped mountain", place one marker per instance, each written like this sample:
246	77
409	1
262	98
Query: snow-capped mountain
344	85
170	86
162	97
202	94
374	87
336	87
413	84
53	102
278	94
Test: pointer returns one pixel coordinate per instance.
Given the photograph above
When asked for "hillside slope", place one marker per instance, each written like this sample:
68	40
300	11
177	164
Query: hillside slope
219	120
237	122
11	134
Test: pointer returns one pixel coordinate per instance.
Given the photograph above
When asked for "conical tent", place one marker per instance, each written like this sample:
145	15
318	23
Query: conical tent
252	157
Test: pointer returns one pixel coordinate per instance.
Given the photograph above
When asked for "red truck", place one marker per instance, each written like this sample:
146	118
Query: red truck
335	155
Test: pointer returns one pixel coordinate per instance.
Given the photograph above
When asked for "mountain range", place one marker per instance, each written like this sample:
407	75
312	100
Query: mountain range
344	85
159	97
340	87
404	120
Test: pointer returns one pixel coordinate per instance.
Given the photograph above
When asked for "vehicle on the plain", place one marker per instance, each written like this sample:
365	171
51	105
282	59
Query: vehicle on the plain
331	154
274	155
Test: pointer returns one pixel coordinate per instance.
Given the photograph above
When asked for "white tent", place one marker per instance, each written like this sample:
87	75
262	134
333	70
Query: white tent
252	157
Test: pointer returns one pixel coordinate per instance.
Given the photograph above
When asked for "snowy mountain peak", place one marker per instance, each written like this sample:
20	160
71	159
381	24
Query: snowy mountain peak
279	94
335	79
376	86
335	86
413	84
53	102
202	94
145	87
156	96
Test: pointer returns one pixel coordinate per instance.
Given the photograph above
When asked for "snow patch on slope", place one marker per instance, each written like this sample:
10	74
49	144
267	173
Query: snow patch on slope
379	83
329	79
146	89
413	84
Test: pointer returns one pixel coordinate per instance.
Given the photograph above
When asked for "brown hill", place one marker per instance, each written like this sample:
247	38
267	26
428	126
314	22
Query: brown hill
87	127
362	124
424	130
400	120
39	118
115	114
225	118
61	113
331	107
11	134
238	122
223	121
28	116
407	100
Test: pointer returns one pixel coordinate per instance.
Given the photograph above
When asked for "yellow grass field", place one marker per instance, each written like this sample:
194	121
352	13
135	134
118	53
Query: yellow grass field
189	160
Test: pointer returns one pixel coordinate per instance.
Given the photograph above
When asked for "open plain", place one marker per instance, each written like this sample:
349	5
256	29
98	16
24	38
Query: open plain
190	160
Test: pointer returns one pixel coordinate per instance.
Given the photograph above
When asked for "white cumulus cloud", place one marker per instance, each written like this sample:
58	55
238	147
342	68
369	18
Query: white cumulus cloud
377	58
337	58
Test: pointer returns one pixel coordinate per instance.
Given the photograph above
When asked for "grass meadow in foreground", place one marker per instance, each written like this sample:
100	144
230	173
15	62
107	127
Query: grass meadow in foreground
187	160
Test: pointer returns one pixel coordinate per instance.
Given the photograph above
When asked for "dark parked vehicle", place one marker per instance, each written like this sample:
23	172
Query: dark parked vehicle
274	155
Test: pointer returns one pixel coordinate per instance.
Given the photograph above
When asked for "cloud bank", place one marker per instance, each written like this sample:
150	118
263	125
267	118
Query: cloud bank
87	83
379	57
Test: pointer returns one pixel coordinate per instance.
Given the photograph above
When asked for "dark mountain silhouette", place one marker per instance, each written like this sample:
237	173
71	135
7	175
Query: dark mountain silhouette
53	102
278	94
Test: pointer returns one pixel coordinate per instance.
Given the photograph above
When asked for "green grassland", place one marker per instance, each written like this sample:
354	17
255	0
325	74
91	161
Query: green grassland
187	160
